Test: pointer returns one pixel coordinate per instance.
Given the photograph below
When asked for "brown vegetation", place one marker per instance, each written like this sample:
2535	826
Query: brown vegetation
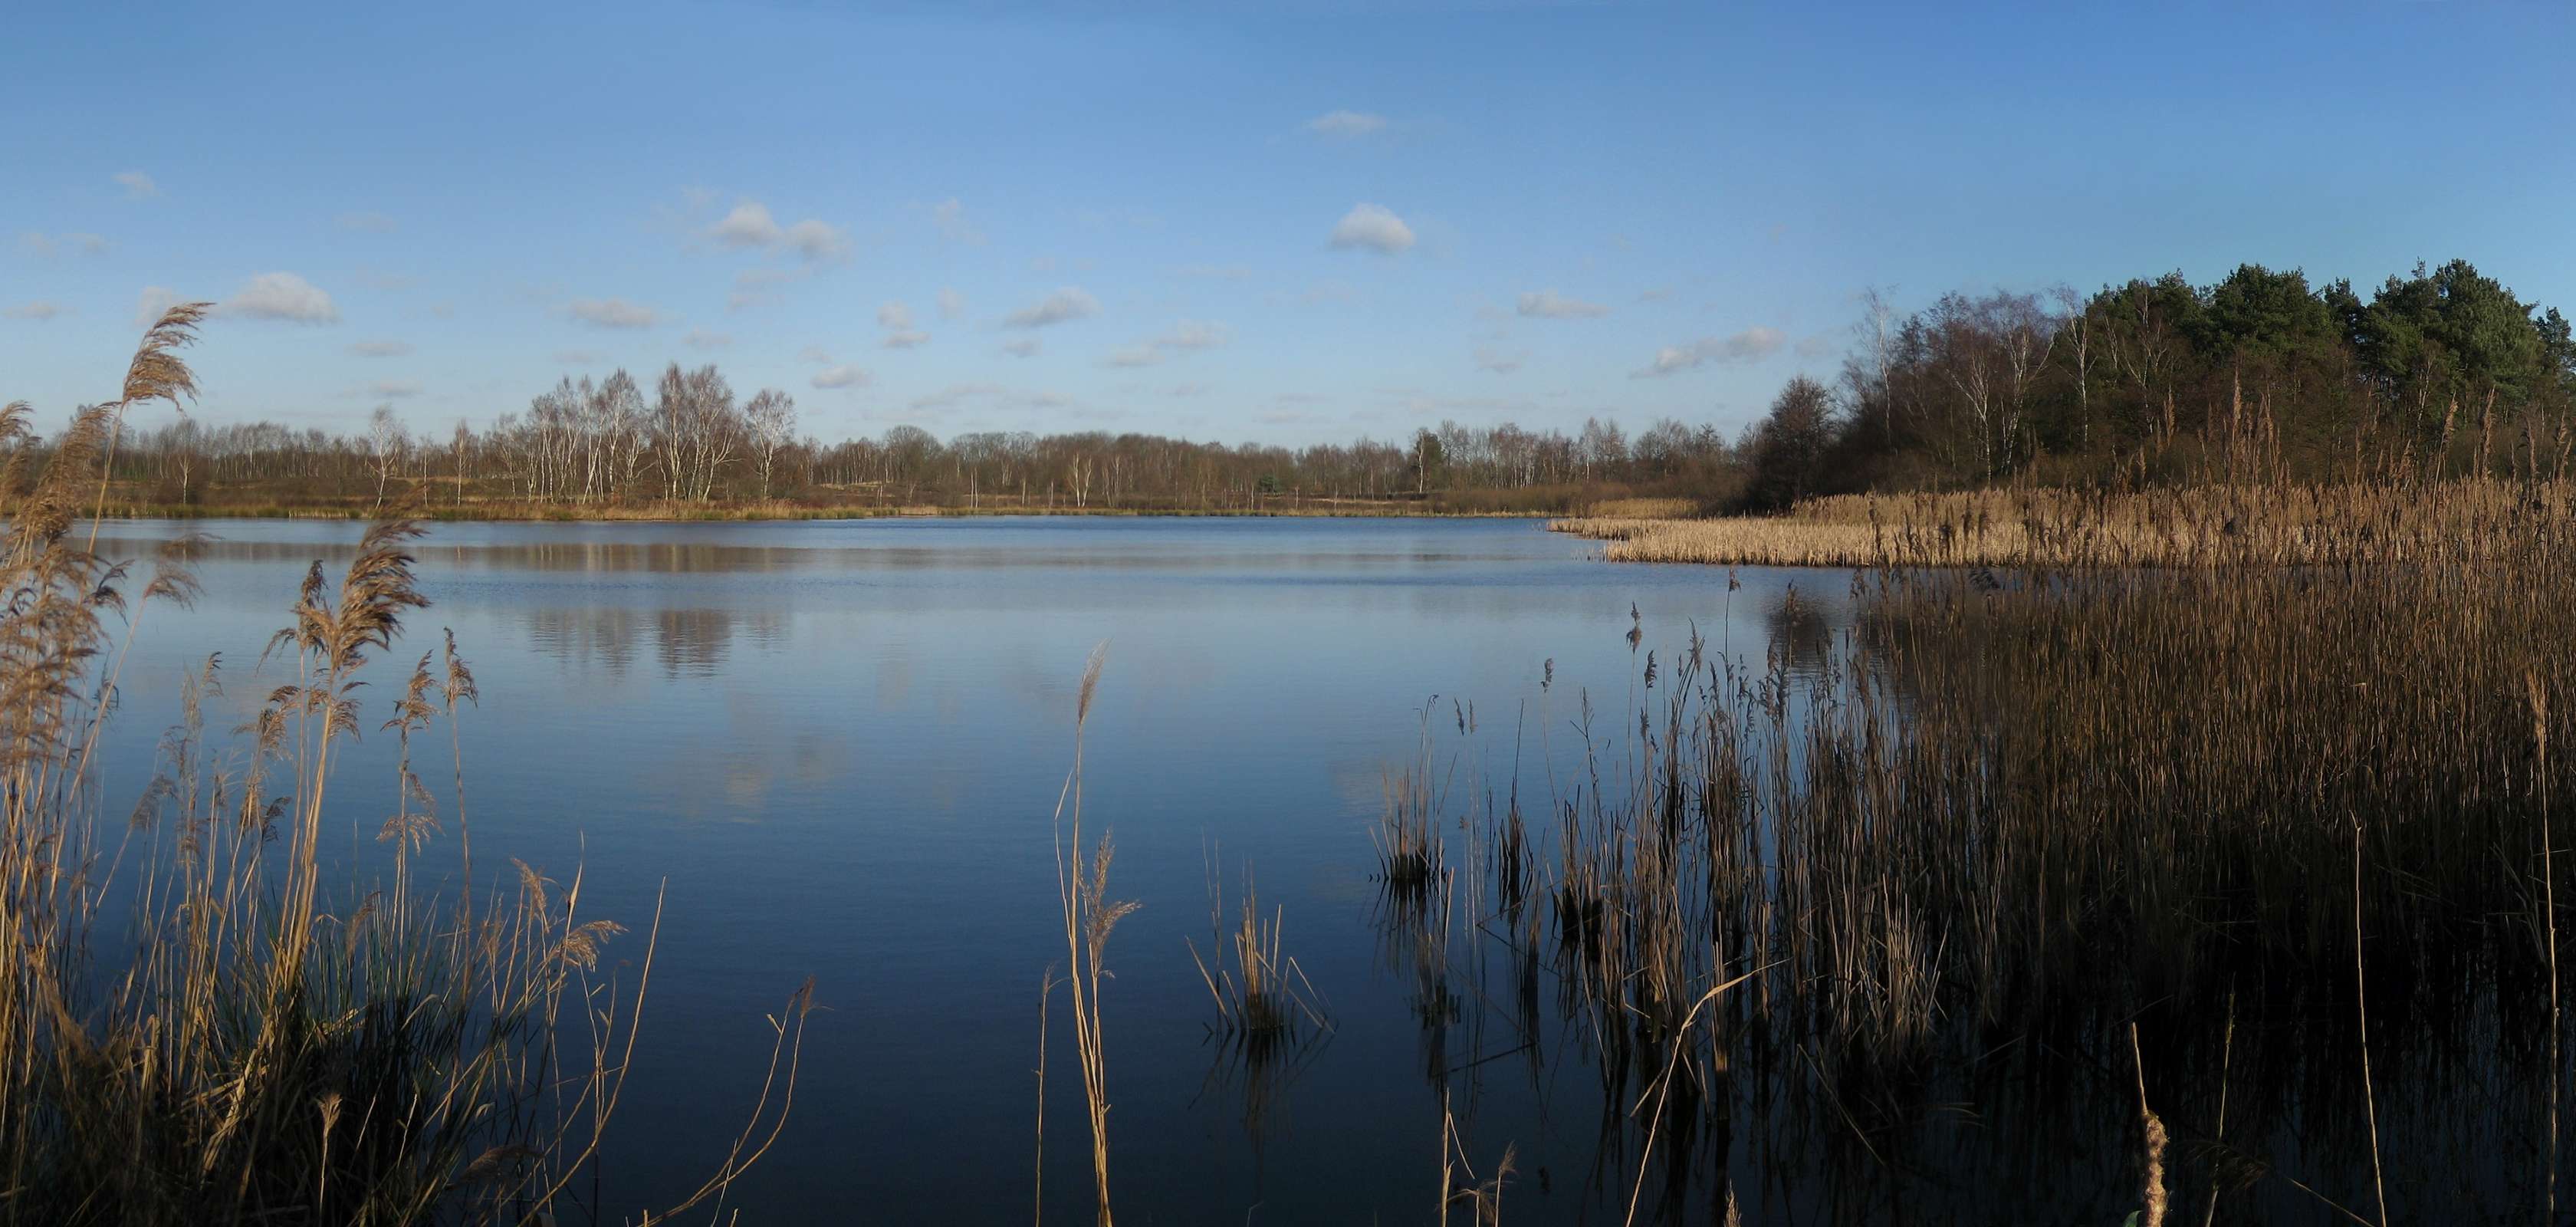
256	1048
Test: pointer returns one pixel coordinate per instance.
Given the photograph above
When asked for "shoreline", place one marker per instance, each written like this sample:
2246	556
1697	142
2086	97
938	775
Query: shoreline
718	515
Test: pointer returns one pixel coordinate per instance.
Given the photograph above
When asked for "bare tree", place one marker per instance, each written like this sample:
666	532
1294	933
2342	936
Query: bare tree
771	415
386	443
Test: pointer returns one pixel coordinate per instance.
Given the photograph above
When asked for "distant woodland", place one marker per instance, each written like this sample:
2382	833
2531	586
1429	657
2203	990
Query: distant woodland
2153	381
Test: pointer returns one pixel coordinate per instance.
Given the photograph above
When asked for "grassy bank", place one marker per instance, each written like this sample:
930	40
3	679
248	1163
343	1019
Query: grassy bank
2272	525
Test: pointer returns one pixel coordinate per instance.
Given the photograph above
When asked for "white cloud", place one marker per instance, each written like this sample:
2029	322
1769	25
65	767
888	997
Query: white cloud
1656	294
905	339
612	313
1022	347
955	393
817	241
1346	124
38	310
1500	362
1184	337
1374	227
1069	303
282	296
154	300
951	303
380	349
53	244
137	185
815	354
1194	334
749	225
950	217
995	394
700	338
369	223
1750	345
894	315
1550	305
841	377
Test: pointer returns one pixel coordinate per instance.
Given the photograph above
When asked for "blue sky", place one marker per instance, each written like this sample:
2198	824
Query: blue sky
1278	222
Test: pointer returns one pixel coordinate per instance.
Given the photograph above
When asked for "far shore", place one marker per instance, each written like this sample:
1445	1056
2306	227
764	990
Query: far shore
515	512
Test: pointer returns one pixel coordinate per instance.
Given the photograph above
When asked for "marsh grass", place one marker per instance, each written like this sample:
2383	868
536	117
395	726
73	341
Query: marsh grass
2002	811
191	1028
1082	886
2353	523
1260	995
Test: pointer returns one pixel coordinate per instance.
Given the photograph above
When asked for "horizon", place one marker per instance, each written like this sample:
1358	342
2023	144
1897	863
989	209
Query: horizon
1289	229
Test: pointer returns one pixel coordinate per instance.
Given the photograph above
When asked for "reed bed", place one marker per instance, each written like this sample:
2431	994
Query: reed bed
2007	812
2210	526
193	1027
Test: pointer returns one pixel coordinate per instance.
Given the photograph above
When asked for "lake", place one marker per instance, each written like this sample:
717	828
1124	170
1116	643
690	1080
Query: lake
834	750
840	744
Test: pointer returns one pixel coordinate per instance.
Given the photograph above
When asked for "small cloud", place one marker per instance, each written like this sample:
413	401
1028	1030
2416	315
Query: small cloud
1750	345
817	241
612	313
814	353
1021	347
576	357
1346	124
71	240
749	225
1194	334
1069	303
443	310
1187	390
894	315
383	389
154	300
905	339
700	338
1655	294
1184	337
137	185
841	377
951	303
38	310
380	349
1500	362
1550	305
950	217
367	223
282	296
1374	227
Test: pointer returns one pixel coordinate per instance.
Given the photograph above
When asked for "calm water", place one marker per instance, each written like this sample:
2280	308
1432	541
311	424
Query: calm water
840	744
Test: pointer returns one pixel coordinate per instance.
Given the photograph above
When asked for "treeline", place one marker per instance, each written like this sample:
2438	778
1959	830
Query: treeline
2155	381
691	440
2161	381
